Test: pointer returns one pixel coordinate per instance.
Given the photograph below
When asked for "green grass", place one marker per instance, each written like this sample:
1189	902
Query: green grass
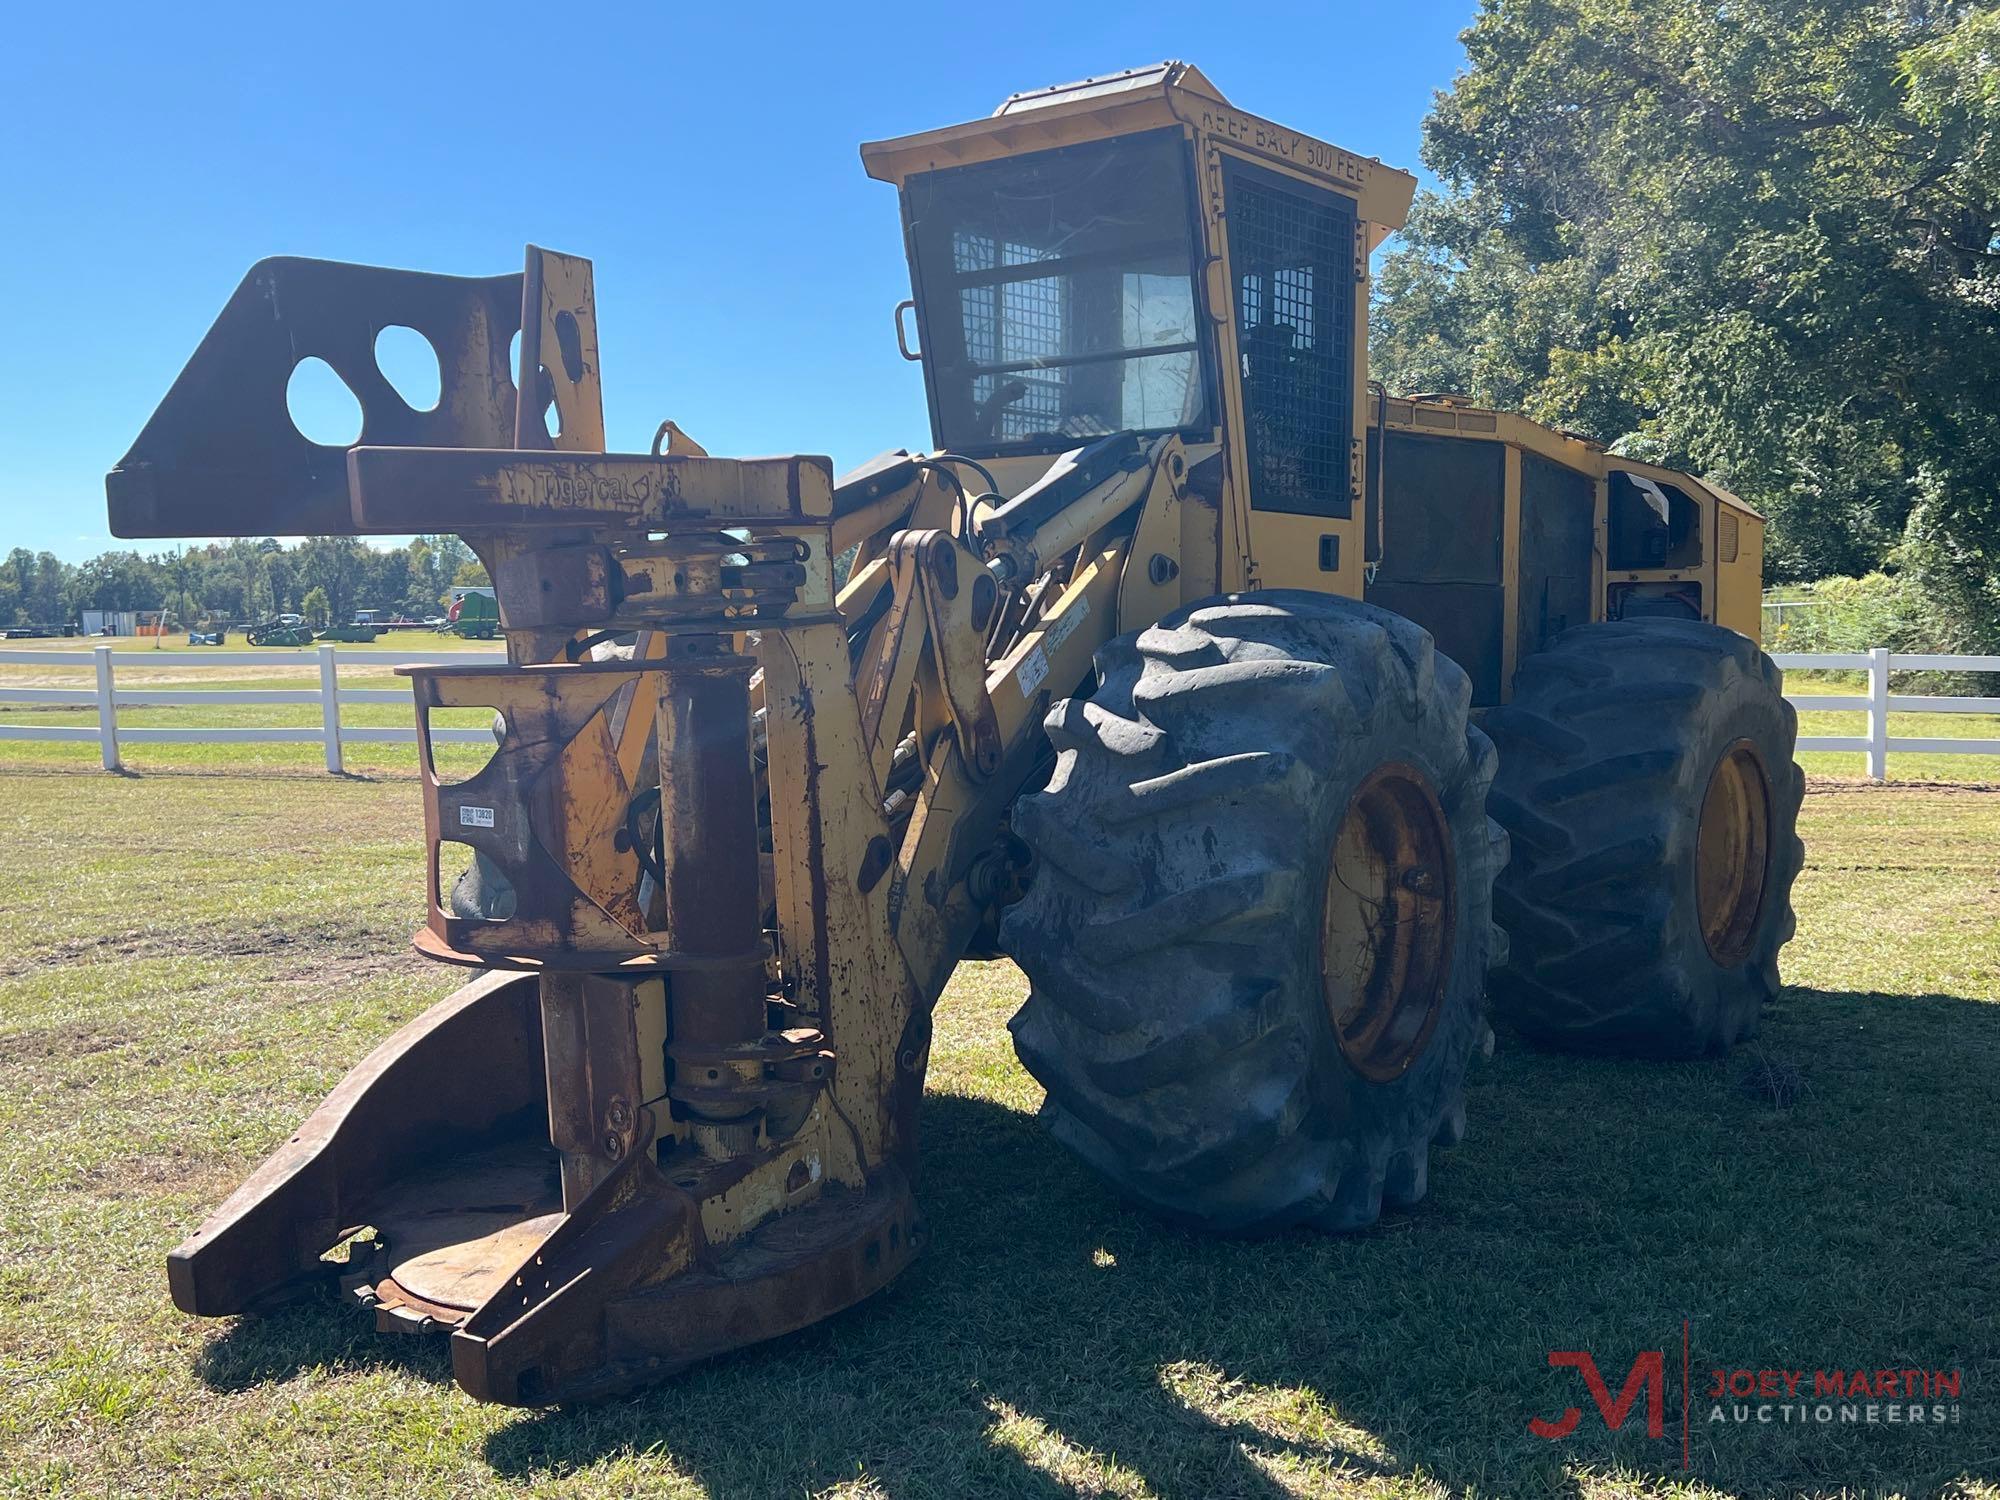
188	963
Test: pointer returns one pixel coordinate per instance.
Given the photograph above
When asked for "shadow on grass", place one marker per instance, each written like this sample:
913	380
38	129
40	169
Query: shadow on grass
324	1332
1053	1340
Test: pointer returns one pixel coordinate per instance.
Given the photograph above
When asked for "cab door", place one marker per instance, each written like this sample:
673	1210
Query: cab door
1295	326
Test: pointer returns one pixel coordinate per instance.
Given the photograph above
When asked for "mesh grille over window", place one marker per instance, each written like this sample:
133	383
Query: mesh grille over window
1015	323
1057	296
1292	250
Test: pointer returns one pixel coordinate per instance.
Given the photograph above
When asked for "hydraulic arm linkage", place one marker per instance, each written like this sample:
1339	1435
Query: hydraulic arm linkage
734	834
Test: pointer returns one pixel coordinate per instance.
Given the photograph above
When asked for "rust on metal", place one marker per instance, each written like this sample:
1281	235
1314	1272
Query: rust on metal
1388	920
643	1137
590	1043
1733	849
746	810
466	1070
467	488
558	359
222	456
448	1234
545	810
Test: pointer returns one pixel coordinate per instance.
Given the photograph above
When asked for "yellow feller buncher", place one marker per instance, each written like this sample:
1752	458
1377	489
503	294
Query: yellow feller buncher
1206	680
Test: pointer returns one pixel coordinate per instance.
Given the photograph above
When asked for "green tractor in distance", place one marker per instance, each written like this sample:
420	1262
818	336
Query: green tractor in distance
283	630
474	614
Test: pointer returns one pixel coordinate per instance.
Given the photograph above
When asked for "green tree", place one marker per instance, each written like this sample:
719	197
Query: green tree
217	582
1757	240
119	580
184	574
256	570
314	607
335	565
385	579
15	573
49	591
439	558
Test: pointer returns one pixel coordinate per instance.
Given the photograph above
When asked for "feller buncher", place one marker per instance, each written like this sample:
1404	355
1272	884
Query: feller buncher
1180	671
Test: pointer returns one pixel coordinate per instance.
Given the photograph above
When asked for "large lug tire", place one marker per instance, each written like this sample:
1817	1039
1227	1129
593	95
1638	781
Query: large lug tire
1259	930
1647	780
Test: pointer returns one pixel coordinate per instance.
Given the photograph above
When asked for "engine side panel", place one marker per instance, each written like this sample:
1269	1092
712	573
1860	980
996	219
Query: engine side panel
1558	534
1443	548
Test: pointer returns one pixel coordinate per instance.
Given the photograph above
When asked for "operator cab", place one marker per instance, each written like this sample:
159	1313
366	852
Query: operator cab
1131	253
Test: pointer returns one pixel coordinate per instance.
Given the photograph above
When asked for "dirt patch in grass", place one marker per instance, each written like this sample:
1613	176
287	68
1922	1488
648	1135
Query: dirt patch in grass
326	946
27	1047
192	943
1832	786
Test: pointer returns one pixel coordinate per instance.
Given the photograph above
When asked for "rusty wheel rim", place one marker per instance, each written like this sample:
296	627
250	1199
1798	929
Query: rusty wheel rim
1733	853
1388	918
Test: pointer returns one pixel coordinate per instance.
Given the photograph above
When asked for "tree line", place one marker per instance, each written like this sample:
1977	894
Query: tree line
1759	241
325	578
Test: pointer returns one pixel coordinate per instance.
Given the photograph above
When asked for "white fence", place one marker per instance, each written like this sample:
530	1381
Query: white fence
1878	703
108	698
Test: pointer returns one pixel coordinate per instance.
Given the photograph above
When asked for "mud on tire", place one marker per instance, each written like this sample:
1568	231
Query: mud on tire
1624	937
1175	933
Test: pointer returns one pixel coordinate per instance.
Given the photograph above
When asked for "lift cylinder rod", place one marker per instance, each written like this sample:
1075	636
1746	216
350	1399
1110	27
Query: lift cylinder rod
708	836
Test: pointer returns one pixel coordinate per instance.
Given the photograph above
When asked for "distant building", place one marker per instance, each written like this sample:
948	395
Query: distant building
110	622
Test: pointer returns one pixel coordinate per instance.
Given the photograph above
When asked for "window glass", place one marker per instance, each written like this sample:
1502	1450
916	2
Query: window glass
1057	295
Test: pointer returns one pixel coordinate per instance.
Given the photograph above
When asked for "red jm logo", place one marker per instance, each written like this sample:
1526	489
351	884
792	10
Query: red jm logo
1648	1373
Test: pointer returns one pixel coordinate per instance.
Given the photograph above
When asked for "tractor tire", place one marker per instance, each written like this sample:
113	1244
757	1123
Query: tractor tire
1260	923
1647	782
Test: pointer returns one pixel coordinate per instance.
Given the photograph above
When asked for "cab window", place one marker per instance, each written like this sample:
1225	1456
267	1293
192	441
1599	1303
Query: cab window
1057	295
1653	525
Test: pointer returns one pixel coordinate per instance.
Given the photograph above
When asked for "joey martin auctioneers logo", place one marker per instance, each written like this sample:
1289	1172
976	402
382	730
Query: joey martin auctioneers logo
1848	1395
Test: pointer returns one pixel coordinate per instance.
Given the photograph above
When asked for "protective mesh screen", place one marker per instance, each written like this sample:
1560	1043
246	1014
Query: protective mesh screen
1292	248
1016	323
1057	296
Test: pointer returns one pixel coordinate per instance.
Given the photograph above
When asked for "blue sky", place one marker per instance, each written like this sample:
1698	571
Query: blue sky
703	156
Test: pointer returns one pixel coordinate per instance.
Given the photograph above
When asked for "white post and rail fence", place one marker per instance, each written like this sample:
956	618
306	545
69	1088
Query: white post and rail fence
1877	703
108	697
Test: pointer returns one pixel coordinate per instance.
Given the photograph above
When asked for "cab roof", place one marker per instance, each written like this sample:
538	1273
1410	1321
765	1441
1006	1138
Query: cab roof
1152	97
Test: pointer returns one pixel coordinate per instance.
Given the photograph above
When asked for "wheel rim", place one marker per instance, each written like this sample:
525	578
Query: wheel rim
1733	853
1389	915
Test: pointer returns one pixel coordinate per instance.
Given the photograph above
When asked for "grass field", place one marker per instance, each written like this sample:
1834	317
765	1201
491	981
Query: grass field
188	962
